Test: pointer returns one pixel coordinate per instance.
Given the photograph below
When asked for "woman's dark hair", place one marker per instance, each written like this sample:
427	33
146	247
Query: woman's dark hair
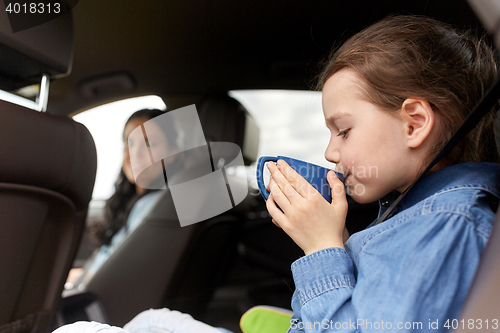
409	56
120	204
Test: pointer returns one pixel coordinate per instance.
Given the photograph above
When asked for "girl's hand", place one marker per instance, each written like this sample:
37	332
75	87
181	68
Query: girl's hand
312	222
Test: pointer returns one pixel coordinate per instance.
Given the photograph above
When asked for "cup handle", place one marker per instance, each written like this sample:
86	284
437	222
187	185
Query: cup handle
260	174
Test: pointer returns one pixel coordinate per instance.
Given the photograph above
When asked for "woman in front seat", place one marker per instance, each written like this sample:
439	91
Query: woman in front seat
127	192
136	186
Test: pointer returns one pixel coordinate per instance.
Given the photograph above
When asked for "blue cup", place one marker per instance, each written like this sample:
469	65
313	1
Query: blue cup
314	174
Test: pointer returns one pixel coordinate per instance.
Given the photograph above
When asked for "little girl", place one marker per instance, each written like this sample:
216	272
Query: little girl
392	97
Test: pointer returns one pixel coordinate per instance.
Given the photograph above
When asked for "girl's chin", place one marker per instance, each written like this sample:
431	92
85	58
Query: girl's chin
361	199
359	194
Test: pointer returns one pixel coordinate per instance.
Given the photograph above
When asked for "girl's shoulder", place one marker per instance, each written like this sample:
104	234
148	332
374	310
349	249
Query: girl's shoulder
470	190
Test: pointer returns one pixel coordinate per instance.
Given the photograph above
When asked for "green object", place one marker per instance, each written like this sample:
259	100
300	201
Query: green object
265	319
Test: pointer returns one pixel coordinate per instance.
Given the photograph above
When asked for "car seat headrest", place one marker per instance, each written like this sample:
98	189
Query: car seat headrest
27	55
224	119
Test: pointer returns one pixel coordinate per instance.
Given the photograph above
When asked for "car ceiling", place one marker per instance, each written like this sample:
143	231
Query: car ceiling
184	50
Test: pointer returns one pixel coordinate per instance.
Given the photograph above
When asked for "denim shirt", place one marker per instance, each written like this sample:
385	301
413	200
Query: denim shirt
409	273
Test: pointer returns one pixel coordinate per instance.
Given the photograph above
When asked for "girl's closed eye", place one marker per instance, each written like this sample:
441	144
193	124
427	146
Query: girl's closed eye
344	133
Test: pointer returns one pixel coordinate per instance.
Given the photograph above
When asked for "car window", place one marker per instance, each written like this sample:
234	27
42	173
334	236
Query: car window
291	124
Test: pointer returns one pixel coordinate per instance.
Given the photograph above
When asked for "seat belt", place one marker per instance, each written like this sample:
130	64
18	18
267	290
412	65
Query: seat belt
483	107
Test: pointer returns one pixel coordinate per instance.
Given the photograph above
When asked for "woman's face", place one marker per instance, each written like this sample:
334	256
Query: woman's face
134	148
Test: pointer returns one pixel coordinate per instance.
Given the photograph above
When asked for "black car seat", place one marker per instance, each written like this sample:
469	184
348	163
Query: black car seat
161	263
47	173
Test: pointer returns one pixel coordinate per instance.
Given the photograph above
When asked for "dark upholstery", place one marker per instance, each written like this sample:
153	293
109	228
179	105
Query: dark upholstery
47	174
223	119
50	152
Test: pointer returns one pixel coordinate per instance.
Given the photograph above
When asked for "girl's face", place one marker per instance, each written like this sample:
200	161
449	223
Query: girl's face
366	143
134	148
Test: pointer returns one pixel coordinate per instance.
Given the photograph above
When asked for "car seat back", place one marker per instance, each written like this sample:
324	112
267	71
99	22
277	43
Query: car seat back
481	305
47	174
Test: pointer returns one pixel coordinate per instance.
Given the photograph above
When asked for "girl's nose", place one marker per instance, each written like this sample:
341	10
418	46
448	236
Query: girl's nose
332	154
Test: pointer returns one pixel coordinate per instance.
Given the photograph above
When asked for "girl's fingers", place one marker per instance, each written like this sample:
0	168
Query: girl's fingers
273	210
300	185
338	191
278	196
287	179
267	187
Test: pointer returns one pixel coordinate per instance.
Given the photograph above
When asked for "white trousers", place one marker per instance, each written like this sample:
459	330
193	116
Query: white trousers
149	321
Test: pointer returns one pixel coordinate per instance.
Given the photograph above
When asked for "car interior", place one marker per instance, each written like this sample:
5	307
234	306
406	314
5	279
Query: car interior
190	52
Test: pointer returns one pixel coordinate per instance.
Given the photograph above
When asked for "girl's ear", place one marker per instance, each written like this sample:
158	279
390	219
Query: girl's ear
418	120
